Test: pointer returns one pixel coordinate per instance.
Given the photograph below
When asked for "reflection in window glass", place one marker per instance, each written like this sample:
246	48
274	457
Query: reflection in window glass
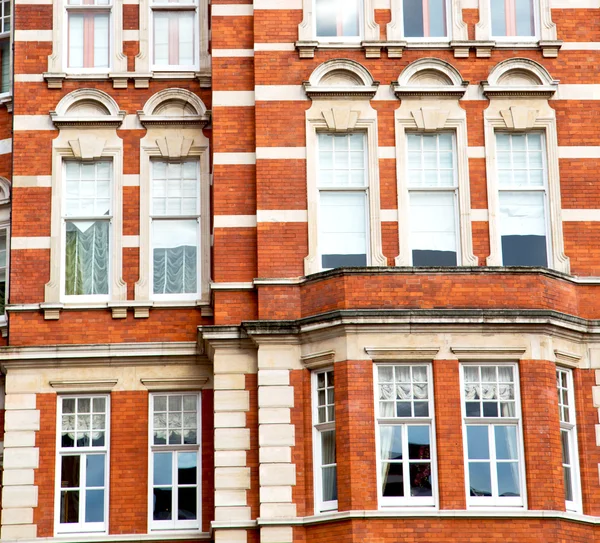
424	18
513	18
338	18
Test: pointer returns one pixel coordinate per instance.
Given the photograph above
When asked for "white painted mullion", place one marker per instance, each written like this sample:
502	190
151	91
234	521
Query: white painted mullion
493	462
83	479
405	459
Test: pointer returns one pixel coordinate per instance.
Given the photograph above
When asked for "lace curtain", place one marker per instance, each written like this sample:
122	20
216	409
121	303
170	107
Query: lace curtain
175	270
86	261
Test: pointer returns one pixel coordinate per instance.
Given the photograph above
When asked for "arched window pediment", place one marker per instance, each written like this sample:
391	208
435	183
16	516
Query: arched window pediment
87	107
174	107
341	78
519	77
430	77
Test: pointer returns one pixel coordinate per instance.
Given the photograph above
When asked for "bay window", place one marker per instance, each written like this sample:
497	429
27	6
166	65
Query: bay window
324	441
82	464
89	35
174	500
432	189
522	185
492	429
568	439
87	214
337	20
175	216
425	18
343	200
404	410
174	34
512	18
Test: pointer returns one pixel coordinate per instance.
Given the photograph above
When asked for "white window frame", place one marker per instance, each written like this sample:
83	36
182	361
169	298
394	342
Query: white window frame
494	502
174	524
543	189
321	506
155	7
82	527
196	217
86	298
426	503
519	90
454	190
570	427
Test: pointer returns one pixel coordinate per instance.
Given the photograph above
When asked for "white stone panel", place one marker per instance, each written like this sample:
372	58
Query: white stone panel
276	396
274	415
21	458
230	458
276	435
15	497
275	455
273	378
276	534
596	396
22	531
17	477
19	439
232	478
277	474
20	401
17	515
231	400
230	420
275	494
22	419
231	439
232	514
230	381
230	498
277	510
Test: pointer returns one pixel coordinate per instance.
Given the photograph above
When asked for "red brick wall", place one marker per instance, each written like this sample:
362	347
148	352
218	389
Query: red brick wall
45	440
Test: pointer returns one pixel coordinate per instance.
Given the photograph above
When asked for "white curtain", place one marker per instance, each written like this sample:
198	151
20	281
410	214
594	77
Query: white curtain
386	440
342	223
328	459
87	254
101	41
522	213
432	221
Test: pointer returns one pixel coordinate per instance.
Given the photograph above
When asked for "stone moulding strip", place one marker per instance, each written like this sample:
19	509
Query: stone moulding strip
568	359
402	353
95	385
318	360
488	353
183	383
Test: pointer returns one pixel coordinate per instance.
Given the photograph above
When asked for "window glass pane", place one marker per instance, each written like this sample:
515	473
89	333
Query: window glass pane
413	18
186	38
75	40
69	507
391	442
69	472
420	479
94	506
328	447
161	38
525	22
431	160
329	483
523	228
341	160
187	499
437	18
506	442
163	472
477	443
337	18
418	443
433	228
392	479
94	470
187	463
101	41
86	257
162	504
508	479
342	229
5	76
480	480
568	482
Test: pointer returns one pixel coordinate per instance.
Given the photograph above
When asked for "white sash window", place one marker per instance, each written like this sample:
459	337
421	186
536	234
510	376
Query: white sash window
175	34
89	33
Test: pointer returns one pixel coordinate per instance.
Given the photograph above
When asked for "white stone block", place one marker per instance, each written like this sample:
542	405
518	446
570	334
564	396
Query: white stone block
20	401
19	496
274	415
230	458
230	498
276	435
230	381
22	531
22	515
17	477
230	420
596	396
19	458
277	357
276	494
276	534
232	400
19	439
275	455
232	478
232	439
22	419
277	474
277	396
277	510
273	377
232	514
232	362
231	536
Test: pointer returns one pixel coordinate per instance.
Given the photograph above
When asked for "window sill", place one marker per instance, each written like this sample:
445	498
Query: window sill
121	80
